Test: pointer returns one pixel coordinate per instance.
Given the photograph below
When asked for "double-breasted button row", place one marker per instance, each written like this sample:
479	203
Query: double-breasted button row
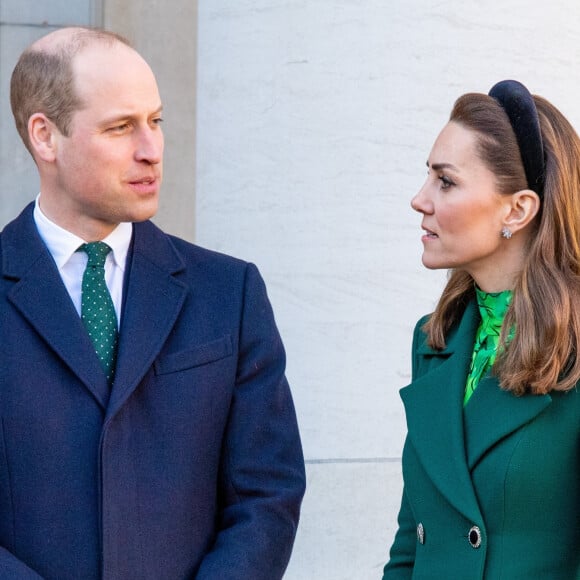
420	533
474	535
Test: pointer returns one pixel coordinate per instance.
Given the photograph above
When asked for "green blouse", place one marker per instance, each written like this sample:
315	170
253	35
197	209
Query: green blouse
492	308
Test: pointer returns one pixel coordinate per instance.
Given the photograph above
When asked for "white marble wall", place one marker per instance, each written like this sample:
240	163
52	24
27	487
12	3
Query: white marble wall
167	39
314	121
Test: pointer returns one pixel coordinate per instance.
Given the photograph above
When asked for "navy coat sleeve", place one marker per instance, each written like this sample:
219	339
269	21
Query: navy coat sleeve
262	476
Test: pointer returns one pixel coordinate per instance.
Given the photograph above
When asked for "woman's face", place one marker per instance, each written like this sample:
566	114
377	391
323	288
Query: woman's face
462	209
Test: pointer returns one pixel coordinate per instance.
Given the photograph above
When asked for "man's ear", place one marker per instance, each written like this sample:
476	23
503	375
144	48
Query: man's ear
522	208
42	133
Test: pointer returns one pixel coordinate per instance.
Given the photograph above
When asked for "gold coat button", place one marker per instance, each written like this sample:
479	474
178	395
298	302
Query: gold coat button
420	533
474	537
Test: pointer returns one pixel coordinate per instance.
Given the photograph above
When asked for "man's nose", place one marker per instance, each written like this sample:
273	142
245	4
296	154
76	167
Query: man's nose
149	147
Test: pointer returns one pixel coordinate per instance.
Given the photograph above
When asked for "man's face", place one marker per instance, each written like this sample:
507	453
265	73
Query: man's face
109	168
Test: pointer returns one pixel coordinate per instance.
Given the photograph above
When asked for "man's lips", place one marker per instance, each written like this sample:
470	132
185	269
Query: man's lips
146	180
145	185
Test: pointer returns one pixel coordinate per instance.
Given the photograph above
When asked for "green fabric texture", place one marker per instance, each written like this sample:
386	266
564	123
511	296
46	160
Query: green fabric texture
97	309
492	308
507	464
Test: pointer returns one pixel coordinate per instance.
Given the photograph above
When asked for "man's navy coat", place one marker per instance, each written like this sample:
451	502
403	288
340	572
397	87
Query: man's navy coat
189	467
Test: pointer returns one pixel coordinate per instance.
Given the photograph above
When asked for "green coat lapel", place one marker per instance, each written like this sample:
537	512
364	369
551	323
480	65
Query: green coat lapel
434	409
449	439
493	414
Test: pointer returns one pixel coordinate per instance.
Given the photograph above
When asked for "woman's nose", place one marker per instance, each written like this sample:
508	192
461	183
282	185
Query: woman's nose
421	202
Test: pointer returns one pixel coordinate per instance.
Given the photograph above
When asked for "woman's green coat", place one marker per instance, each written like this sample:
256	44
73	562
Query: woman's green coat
508	465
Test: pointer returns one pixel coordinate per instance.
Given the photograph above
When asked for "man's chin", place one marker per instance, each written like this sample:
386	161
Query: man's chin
144	212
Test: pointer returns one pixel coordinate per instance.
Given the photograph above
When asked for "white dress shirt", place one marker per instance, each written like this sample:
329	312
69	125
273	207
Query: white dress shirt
71	264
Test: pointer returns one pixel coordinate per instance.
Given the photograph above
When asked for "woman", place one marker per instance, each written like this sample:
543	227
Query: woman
491	463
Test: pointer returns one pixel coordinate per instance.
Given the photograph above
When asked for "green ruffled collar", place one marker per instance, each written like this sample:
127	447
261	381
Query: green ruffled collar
493	307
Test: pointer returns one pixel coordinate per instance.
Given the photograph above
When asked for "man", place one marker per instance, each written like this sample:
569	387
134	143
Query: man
167	447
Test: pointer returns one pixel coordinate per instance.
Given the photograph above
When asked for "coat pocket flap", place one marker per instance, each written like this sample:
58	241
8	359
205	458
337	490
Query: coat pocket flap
194	357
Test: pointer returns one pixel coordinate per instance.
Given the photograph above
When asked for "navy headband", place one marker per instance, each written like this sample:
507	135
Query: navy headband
519	105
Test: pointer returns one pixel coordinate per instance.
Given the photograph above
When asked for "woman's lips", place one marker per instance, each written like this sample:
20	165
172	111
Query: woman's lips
429	235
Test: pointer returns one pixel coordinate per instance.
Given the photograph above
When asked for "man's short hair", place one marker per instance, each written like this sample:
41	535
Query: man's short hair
43	82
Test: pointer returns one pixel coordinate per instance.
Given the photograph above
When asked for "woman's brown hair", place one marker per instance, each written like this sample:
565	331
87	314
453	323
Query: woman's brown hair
545	309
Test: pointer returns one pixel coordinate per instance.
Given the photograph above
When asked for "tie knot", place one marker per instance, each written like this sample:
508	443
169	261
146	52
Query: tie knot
97	253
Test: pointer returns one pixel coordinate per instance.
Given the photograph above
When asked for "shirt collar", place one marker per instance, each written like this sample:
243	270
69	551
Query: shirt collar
493	306
62	244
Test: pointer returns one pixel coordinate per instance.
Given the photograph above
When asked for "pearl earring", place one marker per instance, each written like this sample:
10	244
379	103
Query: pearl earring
506	233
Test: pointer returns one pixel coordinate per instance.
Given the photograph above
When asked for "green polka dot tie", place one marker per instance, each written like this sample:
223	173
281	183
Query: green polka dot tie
97	310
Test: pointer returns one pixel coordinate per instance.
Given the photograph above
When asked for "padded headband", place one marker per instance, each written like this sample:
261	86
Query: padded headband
519	105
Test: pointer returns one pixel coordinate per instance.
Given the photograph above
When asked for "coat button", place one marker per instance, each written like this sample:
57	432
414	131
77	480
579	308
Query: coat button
474	537
420	533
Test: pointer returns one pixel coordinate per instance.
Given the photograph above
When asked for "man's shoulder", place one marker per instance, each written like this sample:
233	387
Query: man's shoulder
153	241
198	253
20	243
22	221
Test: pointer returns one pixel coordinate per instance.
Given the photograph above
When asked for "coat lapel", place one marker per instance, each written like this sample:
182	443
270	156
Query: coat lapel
434	410
153	301
492	414
41	298
450	440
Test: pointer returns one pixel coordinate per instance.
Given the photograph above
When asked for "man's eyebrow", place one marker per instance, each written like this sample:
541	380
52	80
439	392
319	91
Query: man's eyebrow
130	115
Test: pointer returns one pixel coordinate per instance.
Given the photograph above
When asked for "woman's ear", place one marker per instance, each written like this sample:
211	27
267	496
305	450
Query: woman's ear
42	134
522	208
